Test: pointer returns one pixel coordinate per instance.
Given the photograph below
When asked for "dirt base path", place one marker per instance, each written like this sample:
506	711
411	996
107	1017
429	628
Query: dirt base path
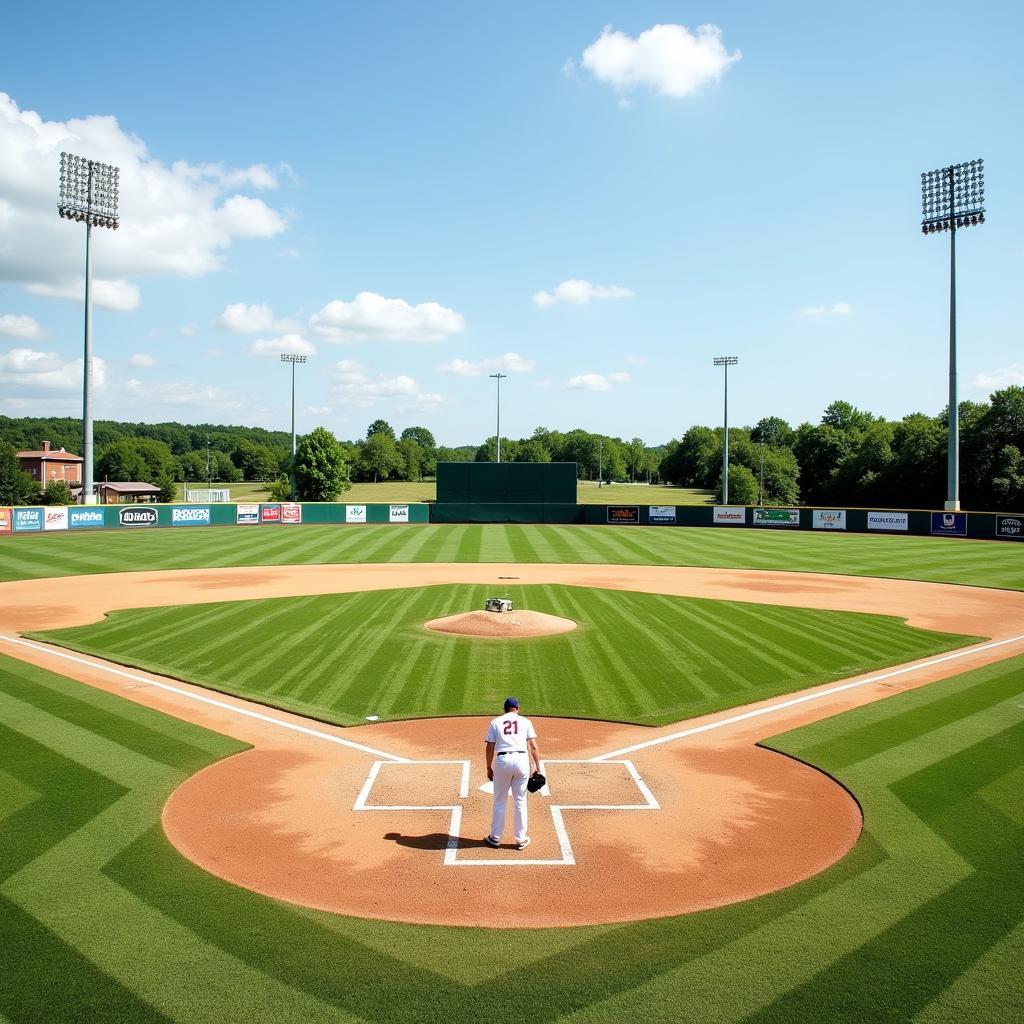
386	820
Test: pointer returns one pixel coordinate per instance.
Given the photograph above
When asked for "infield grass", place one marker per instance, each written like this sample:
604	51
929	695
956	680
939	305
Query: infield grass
102	920
641	658
937	559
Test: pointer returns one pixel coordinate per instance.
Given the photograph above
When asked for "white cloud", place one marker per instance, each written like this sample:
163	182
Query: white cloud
271	348
242	319
47	371
246	217
20	326
668	59
839	309
589	382
579	293
142	360
289	254
597	381
637	360
119	295
1002	378
189	330
355	386
511	361
371	316
178	219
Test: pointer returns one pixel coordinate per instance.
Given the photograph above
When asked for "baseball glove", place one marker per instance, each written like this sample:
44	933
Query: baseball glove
536	781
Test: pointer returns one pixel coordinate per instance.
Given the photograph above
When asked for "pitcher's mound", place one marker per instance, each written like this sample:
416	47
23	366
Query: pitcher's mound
501	624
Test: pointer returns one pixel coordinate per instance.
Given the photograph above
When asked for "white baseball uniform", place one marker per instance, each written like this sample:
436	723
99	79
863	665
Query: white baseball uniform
511	766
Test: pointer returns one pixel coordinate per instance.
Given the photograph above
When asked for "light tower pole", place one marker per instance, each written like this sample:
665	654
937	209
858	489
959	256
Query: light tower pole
288	357
88	194
953	197
726	362
498	378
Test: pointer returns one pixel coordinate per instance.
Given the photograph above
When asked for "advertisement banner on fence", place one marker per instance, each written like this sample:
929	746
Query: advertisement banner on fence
270	513
661	514
830	519
291	512
889	521
137	515
194	515
735	515
624	515
776	516
5	520
949	524
28	519
247	515
1010	527
85	518
398	513
355	513
55	518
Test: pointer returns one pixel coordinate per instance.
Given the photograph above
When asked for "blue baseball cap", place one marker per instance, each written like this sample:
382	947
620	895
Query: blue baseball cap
511	702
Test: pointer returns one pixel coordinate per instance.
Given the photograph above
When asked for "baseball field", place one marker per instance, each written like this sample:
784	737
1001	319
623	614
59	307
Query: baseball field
240	781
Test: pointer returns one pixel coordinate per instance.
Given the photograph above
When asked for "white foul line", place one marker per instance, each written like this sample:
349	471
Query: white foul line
793	701
203	699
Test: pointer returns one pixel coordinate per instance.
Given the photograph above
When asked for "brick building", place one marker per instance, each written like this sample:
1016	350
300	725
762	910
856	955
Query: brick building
52	464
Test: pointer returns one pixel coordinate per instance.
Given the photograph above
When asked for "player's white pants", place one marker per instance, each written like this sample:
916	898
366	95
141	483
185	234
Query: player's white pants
511	772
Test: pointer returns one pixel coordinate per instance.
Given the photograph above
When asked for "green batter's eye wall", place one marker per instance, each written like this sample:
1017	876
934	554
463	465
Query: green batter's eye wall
507	483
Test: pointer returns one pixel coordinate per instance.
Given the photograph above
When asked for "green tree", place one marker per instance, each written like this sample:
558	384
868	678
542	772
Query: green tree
413	458
773	431
122	461
256	461
57	492
636	458
379	457
16	486
321	472
532	450
742	486
695	460
487	451
423	437
168	488
380	427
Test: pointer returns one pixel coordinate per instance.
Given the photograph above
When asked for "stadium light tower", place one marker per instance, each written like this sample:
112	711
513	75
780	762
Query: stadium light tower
953	197
726	361
88	194
498	378
289	357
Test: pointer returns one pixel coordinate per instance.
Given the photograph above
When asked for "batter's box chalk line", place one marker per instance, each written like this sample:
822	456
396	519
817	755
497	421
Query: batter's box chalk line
451	857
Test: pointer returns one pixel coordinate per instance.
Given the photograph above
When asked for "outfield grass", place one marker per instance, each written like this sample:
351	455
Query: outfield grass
939	559
641	658
102	920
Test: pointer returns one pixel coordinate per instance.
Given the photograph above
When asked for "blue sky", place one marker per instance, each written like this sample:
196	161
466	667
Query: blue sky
399	190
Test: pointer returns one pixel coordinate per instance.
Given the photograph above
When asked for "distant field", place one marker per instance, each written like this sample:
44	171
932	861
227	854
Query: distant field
938	559
641	658
587	493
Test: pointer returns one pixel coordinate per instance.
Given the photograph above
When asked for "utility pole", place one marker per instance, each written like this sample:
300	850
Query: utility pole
726	362
498	378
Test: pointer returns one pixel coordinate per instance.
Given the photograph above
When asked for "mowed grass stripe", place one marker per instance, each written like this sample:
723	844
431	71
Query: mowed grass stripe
335	656
981	563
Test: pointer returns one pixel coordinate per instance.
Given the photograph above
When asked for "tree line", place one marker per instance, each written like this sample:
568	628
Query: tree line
853	458
850	458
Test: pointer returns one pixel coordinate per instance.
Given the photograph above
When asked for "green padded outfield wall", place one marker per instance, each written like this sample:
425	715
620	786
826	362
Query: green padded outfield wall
506	483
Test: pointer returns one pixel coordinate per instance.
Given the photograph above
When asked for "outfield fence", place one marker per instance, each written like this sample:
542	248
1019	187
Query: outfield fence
920	522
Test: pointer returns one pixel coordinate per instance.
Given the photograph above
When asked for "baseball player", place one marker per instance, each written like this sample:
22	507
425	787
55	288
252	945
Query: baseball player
511	751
